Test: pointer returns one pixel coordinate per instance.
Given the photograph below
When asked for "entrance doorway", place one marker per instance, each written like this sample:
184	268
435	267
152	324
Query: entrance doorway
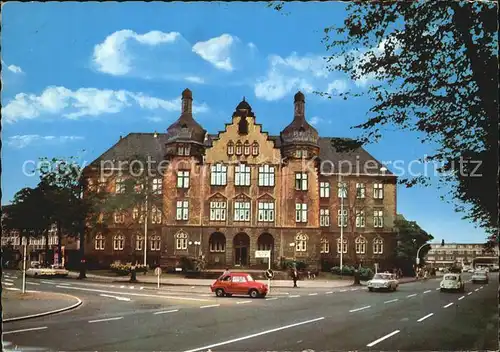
241	246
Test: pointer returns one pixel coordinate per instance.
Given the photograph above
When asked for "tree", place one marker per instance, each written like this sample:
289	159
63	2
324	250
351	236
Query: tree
410	238
431	67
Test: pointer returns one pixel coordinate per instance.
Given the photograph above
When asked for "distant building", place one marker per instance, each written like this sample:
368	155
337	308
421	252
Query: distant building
451	253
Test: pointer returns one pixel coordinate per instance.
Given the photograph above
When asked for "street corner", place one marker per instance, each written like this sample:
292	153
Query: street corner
34	304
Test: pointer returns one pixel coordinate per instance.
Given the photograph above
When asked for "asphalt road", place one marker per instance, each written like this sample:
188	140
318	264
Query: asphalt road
417	317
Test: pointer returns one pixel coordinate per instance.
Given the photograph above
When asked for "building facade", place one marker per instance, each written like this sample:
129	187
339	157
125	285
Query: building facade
229	194
457	253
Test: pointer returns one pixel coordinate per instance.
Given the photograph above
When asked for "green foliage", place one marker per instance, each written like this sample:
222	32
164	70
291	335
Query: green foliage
187	264
289	264
364	273
125	269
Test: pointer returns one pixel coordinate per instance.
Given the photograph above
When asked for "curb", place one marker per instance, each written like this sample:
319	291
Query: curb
73	306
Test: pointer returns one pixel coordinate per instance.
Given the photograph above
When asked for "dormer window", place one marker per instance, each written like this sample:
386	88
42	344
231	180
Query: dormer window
230	148
183	150
239	148
255	149
247	148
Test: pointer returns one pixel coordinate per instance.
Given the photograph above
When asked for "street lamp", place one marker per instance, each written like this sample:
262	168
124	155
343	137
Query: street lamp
292	244
195	243
342	193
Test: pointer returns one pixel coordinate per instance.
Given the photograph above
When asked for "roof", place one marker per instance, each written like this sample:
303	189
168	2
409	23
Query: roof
146	144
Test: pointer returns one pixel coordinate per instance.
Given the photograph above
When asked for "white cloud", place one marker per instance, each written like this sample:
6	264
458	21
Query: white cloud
276	85
154	118
15	69
312	64
338	86
315	120
85	102
216	51
22	141
112	56
195	79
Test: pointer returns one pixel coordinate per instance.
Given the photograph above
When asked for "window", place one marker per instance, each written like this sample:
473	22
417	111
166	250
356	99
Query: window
182	210
325	246
218	210
301	181
255	149
119	185
360	190
118	242
230	148
155	215
344	246
138	187
342	190
324	217
264	246
266	211
181	242
119	218
378	218
101	185
98	243
324	189
157	185
242	211
266	176
378	246
360	218
360	244
217	243
342	218
242	175
301	243
182	179
135	213
378	191
155	243
301	212
239	148
246	148
139	242
90	185
218	175
183	150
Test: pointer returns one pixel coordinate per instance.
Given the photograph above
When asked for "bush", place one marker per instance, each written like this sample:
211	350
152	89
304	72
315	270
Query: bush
187	264
288	264
365	274
346	270
124	269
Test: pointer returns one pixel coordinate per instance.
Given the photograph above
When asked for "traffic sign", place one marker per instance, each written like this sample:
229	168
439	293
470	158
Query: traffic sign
262	254
158	271
269	274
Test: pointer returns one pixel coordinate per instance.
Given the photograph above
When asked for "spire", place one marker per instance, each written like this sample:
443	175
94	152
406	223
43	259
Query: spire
187	102
299	102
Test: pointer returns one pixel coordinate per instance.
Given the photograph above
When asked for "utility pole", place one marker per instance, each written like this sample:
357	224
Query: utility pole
341	222
146	217
25	241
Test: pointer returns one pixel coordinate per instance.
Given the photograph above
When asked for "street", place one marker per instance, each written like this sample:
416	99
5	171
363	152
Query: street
416	317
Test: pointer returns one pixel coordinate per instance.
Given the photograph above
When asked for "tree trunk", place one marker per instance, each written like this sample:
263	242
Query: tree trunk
83	261
47	254
59	244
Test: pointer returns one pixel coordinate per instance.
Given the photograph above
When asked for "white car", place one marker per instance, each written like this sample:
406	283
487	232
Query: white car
54	271
480	276
383	281
452	282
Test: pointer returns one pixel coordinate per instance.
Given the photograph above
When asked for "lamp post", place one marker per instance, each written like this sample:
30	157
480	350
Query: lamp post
418	252
292	244
342	193
196	246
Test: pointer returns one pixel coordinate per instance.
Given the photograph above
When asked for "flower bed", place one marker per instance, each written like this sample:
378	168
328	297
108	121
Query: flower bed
124	269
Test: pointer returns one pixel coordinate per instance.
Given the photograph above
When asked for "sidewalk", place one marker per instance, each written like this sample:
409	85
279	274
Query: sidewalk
32	304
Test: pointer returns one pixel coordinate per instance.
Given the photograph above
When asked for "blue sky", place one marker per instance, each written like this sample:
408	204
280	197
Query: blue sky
76	76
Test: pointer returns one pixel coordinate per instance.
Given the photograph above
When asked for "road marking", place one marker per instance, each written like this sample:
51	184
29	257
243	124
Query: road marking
481	287
243	302
448	305
392	300
328	293
271	299
205	295
371	344
116	297
412	295
358	309
141	288
476	289
8	283
10	280
48	282
166	311
64	284
13	288
427	291
32	283
254	335
122	286
13	277
469	293
131	287
294	296
107	319
343	290
423	318
437	289
461	298
210	306
24	330
134	294
313	294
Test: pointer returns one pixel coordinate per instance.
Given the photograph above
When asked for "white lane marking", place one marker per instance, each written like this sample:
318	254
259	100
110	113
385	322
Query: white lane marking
271	299
254	335
134	294
460	298
371	344
476	289
427	316
48	282
24	330
358	309
107	319
8	283
343	290
328	293
13	277
192	286
480	287
437	289
115	297
64	284
469	293
141	288
132	287
243	302
9	280
448	305
13	288
284	293
427	291
122	286
32	283
294	296
392	300
210	306
313	294
166	311
412	295
111	286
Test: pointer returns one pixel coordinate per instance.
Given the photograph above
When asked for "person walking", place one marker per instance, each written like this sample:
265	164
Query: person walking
295	276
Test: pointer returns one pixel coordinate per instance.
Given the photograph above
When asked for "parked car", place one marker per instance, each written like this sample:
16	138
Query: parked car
452	282
383	281
53	271
480	276
238	284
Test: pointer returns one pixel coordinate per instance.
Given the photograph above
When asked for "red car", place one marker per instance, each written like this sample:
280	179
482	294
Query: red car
238	284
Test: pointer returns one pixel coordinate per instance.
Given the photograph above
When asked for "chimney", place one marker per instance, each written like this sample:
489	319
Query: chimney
187	102
299	101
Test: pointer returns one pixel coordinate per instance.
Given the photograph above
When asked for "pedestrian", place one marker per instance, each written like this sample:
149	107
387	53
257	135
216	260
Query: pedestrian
295	277
226	272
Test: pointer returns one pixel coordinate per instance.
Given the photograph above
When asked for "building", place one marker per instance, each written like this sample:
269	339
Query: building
243	190
457	253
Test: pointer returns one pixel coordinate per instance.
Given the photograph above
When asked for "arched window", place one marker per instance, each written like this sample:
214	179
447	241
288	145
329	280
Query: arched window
301	242
155	215
155	243
217	242
325	246
239	148
247	148
118	242
255	148
230	148
181	241
99	242
360	243
378	246
139	242
343	246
